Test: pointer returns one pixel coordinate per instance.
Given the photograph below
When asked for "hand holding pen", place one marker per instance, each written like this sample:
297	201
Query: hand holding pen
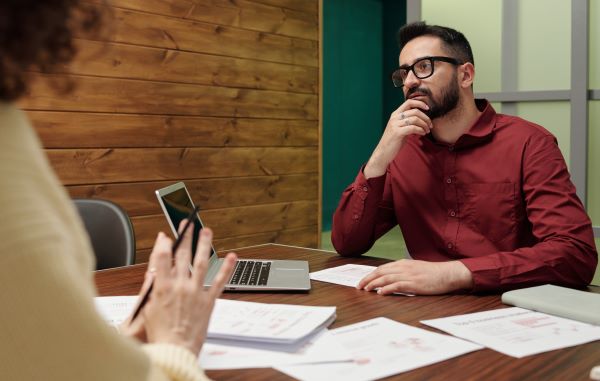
178	307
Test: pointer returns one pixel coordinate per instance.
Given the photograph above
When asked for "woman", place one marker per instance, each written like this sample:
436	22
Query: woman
49	329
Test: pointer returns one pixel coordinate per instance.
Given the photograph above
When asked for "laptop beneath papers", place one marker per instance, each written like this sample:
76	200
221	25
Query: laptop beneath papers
249	274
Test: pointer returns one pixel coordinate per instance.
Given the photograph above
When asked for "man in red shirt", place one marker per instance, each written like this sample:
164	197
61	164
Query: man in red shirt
484	200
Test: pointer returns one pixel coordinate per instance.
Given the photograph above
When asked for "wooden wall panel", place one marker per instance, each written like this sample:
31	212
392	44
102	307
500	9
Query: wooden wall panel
243	14
95	130
160	64
146	29
220	94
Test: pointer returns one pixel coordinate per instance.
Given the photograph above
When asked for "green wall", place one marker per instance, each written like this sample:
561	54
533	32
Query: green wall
355	74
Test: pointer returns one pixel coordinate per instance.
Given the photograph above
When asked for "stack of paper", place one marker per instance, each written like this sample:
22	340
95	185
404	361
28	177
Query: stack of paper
241	321
254	335
268	323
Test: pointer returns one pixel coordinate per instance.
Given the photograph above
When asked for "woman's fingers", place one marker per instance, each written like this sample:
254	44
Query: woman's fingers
162	256
183	256
223	275
203	252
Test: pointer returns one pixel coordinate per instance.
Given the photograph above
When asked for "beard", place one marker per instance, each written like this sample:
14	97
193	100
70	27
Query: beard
448	99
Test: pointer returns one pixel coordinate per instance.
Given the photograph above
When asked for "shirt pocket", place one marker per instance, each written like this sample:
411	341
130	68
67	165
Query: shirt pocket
490	209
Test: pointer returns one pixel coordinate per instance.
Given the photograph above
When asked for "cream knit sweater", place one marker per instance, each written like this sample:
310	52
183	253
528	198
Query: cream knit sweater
49	329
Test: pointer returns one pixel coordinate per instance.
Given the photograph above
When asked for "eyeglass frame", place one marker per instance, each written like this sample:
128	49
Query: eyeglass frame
432	59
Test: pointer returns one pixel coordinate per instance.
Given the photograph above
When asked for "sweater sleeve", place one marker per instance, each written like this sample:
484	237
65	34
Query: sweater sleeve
176	362
49	327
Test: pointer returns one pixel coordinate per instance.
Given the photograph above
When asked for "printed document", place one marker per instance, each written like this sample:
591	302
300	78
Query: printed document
380	348
115	309
237	320
319	348
347	275
275	323
516	331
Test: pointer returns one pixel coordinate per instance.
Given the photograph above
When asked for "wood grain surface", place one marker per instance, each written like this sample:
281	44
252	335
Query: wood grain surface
355	306
220	94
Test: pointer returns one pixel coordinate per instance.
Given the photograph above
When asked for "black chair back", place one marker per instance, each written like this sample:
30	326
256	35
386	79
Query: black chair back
110	232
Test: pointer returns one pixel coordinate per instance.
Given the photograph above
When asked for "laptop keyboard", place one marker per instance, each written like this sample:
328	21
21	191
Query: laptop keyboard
251	273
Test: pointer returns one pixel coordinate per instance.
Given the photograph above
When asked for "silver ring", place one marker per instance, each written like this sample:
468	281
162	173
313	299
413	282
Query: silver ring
401	115
407	122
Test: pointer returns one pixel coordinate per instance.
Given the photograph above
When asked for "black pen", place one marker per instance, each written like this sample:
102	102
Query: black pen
190	219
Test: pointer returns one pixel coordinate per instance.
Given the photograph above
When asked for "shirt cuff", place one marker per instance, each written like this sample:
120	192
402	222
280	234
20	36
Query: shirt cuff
374	184
178	363
485	272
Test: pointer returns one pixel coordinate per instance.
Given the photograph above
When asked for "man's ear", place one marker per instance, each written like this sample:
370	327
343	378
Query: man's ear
466	74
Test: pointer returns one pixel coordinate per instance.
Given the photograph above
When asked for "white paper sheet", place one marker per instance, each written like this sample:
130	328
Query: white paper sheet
277	323
347	275
382	347
320	348
115	309
516	331
238	320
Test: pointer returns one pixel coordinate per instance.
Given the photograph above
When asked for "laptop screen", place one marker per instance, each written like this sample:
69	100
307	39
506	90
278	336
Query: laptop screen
177	205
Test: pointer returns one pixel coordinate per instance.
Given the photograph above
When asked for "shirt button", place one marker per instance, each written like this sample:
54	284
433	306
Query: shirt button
451	148
452	213
449	245
449	180
355	216
365	189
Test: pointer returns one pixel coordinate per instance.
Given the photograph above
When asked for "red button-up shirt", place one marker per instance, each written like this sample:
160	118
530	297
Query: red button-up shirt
500	200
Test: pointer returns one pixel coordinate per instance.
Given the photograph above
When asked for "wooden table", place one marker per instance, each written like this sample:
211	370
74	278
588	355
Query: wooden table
354	306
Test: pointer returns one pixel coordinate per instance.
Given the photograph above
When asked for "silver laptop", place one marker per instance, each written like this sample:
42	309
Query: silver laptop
249	274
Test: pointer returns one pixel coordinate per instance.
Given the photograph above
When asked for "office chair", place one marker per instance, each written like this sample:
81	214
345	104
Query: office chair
110	231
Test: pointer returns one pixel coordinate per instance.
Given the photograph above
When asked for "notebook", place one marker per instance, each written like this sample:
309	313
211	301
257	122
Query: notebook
249	274
559	301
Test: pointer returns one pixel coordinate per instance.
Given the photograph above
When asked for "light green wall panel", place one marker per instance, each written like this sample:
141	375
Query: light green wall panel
594	46
596	280
544	45
481	22
593	204
553	116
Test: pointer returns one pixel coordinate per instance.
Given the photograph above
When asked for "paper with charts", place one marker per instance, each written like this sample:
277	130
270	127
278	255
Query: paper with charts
275	323
380	348
115	309
319	348
516	331
347	275
237	320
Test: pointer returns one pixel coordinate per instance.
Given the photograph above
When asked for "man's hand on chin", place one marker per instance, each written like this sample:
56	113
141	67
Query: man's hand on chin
418	277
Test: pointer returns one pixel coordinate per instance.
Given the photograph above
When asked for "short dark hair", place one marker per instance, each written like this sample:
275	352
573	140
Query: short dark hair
453	41
37	36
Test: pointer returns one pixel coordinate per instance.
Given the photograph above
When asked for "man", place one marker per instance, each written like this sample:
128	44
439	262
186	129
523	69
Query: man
484	200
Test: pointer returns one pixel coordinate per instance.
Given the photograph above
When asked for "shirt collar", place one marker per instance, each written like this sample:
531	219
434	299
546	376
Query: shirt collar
481	131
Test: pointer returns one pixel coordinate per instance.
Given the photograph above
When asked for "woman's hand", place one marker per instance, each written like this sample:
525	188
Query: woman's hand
179	307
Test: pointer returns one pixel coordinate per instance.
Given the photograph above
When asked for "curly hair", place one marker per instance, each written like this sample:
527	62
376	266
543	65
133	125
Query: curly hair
38	35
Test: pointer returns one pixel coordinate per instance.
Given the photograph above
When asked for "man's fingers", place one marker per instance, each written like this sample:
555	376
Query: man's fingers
405	287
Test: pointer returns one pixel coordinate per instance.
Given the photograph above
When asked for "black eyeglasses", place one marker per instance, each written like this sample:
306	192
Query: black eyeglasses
423	68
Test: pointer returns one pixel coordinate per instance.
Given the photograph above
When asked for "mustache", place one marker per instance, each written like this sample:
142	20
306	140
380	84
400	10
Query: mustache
421	90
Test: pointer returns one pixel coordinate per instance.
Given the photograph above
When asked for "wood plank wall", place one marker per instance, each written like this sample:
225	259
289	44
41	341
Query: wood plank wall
222	94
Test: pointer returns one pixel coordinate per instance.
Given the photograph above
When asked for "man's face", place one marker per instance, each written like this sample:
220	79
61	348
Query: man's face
440	91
